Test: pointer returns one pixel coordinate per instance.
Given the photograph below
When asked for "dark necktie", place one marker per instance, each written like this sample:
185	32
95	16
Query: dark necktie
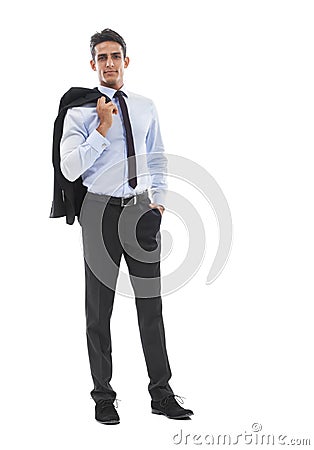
129	139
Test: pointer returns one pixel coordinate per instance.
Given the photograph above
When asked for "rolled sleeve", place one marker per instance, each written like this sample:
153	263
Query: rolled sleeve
159	197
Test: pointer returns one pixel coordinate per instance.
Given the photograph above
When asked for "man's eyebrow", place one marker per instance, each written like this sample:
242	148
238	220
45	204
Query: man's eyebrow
106	54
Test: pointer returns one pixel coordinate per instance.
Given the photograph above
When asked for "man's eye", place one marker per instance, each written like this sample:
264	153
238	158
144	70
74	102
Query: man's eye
117	56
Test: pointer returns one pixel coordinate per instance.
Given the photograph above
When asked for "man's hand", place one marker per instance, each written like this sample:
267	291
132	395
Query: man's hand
105	112
160	207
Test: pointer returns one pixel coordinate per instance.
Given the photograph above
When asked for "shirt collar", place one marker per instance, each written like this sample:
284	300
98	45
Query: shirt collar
110	92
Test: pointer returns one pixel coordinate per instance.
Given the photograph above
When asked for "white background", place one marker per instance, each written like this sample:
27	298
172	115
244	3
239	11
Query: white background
233	84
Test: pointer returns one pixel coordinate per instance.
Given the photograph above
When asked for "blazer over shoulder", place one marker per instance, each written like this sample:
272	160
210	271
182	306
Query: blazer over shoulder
68	195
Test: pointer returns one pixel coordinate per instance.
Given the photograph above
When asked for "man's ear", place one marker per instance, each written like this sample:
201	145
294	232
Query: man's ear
126	62
93	65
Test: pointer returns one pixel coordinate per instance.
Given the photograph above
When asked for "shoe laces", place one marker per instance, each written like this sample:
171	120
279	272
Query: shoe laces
104	403
172	398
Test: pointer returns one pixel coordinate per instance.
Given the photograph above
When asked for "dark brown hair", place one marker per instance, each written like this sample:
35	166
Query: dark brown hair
106	35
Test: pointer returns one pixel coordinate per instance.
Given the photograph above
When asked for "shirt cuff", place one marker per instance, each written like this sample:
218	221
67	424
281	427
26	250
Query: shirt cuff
159	197
97	141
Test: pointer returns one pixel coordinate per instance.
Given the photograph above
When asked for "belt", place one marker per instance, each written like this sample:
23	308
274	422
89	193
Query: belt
128	201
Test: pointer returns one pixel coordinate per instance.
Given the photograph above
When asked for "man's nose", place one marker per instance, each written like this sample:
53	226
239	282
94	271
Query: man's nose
109	62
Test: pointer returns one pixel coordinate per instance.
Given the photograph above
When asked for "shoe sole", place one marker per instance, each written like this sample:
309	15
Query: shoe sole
109	422
183	416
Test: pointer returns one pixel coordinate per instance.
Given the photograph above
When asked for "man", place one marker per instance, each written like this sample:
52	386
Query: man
117	150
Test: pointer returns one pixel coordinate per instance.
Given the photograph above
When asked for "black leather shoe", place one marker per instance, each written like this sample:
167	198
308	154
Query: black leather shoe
106	413
170	408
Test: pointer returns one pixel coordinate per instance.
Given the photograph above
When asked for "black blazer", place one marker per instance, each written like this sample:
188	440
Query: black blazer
68	195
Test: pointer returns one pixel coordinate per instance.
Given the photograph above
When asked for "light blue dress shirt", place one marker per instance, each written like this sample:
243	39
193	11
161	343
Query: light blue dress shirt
101	161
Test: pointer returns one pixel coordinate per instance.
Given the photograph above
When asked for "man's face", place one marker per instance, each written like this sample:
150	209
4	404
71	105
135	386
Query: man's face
109	64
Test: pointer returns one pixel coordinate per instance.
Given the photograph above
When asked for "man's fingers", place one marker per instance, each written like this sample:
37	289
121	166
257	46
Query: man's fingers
101	100
113	107
101	103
